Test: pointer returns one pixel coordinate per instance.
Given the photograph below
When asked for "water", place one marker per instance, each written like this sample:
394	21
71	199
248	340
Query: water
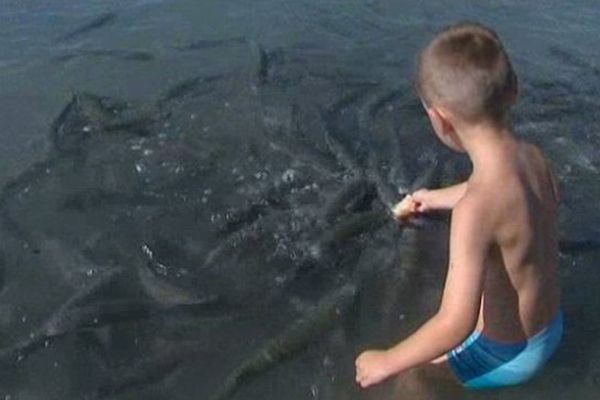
142	51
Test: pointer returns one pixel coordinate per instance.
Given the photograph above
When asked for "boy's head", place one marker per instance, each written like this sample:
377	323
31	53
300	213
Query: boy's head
465	71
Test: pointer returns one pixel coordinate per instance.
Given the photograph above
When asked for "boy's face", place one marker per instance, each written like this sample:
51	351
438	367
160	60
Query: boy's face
443	128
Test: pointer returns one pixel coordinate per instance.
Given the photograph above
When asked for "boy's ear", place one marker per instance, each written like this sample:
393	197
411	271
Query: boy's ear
440	120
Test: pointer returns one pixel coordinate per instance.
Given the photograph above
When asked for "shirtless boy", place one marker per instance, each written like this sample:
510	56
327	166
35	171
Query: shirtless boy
499	320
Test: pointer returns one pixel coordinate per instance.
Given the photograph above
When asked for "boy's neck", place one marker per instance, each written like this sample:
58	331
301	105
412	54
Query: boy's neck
486	145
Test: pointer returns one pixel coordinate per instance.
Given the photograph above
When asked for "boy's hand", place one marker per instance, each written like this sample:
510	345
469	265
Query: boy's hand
412	204
372	367
422	200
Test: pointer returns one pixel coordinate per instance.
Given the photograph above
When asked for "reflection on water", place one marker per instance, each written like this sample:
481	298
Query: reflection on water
211	216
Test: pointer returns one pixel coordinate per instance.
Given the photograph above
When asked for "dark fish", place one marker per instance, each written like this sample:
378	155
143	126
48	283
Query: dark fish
100	198
299	335
387	195
341	151
2	267
352	197
62	320
572	59
264	65
88	114
303	151
160	290
206	44
567	246
376	106
125	55
350	227
430	176
272	197
94	24
146	372
94	316
192	86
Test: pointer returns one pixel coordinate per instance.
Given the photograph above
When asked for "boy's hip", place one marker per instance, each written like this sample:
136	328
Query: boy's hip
480	362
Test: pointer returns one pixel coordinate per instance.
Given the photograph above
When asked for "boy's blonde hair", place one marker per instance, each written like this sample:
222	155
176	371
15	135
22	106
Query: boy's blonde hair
466	69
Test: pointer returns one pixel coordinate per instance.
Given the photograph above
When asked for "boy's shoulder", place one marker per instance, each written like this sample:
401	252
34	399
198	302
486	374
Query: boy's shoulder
474	208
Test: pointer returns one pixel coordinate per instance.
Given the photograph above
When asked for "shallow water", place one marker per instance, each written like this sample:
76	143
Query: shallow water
215	198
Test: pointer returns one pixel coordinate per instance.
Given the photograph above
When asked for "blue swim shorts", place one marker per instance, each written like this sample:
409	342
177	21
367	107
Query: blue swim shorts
483	363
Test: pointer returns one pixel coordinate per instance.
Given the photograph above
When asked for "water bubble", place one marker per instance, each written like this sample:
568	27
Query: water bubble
260	175
289	176
139	168
87	129
148	152
314	391
24	318
193	116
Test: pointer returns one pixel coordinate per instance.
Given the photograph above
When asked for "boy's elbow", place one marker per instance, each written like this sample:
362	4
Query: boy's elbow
456	326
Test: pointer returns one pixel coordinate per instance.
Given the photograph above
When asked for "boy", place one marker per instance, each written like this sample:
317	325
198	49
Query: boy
499	318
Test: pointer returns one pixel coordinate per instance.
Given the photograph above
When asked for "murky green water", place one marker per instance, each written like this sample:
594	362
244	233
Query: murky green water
194	194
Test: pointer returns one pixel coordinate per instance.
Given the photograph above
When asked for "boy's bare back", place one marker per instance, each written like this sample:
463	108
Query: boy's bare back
519	200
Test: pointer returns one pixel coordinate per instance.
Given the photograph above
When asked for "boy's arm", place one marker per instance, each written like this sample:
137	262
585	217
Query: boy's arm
470	239
439	199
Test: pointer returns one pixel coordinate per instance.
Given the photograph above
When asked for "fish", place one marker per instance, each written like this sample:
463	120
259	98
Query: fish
94	316
574	60
96	23
383	101
2	268
567	246
144	373
293	340
206	44
302	151
94	198
385	191
347	228
125	55
162	292
191	86
87	114
352	197
58	323
341	152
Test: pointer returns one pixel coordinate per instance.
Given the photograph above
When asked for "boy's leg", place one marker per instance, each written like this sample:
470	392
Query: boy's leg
429	382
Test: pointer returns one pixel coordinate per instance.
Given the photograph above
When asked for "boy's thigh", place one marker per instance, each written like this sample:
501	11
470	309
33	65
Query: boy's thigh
429	382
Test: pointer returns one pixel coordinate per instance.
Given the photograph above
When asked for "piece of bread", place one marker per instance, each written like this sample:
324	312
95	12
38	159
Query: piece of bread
405	208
